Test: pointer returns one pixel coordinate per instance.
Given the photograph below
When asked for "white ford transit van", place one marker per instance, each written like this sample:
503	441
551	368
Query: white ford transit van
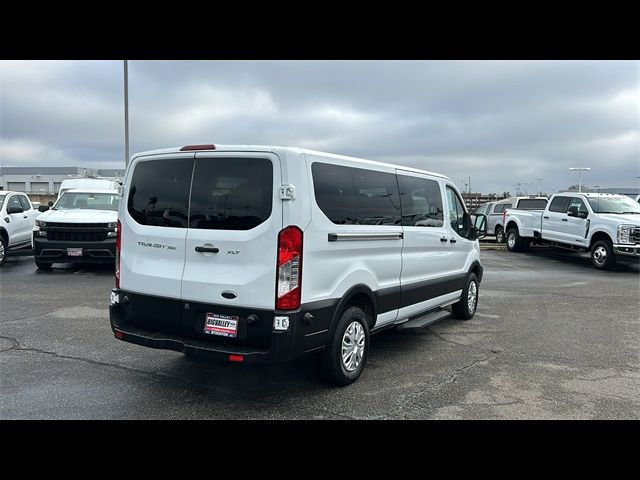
262	254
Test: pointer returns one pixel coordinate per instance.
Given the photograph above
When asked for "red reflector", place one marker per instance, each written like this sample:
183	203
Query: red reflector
236	358
208	146
119	334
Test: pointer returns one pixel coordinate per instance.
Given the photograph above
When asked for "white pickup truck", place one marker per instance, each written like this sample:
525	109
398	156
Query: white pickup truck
17	217
80	227
606	225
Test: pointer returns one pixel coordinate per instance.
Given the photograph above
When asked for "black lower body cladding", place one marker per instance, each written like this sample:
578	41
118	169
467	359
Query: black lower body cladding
172	324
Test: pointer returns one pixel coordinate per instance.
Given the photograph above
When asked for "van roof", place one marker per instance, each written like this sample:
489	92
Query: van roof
93	190
275	149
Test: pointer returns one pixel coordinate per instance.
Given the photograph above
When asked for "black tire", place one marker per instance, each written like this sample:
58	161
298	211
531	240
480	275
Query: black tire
3	250
515	243
602	255
333	365
500	236
43	265
465	309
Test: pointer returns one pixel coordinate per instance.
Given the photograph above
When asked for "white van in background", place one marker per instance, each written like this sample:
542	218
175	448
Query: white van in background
263	254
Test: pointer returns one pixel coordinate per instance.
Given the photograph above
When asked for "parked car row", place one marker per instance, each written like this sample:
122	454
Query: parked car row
79	227
605	225
495	212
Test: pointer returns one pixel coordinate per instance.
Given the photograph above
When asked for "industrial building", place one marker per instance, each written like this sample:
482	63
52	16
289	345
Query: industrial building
47	180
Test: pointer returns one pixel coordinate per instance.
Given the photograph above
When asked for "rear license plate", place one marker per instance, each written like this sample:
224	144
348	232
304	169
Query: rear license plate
223	325
74	252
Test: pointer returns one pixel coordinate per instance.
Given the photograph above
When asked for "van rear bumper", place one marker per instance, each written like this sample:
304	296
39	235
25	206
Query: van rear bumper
271	346
278	352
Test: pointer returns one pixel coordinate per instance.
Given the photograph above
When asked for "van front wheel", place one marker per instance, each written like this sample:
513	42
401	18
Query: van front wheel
346	354
465	309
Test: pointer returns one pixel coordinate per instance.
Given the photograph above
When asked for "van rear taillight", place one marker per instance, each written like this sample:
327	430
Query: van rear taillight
289	273
188	148
118	246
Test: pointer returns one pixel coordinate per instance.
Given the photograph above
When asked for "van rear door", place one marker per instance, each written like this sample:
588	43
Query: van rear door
234	219
153	218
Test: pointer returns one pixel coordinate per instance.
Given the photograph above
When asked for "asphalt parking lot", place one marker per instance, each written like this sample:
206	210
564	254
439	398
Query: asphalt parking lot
553	338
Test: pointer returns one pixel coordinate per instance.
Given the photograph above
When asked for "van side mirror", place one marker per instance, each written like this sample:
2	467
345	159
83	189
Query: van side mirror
43	208
479	229
50	203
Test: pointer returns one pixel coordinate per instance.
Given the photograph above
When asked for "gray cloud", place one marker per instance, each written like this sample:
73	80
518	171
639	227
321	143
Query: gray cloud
498	122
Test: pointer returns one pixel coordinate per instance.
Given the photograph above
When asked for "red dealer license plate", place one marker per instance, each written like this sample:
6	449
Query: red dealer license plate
223	325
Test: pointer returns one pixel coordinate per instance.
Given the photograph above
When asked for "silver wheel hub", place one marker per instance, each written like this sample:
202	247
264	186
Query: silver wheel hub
511	240
600	255
472	297
353	344
1	250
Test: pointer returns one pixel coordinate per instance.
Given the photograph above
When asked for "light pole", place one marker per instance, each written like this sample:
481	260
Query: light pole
126	113
580	170
539	180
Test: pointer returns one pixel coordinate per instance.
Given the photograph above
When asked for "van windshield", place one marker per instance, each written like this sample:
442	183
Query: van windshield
87	201
620	205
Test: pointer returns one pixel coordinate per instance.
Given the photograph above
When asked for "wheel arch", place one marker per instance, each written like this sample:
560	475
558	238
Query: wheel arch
599	235
476	268
360	296
512	224
4	234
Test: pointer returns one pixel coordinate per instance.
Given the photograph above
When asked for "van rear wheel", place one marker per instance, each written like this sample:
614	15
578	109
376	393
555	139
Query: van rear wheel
465	309
346	354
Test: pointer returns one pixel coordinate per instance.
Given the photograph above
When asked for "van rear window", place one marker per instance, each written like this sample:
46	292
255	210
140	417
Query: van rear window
159	192
231	193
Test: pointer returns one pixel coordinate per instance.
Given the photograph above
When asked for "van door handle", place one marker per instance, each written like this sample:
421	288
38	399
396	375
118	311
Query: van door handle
564	219
202	248
452	240
443	239
546	218
26	216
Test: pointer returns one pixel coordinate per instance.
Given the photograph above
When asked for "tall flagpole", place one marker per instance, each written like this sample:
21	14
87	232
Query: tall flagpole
126	113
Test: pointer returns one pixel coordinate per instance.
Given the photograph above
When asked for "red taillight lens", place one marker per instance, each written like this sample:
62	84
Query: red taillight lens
118	246
289	272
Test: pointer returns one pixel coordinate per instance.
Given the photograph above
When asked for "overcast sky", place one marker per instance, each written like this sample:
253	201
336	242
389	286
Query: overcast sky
499	122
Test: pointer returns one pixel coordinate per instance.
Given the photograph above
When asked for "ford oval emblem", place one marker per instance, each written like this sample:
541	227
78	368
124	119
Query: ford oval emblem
229	295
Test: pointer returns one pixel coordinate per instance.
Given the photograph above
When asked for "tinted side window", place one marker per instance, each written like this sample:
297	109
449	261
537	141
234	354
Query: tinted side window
532	204
356	196
159	192
421	202
231	193
559	204
577	202
501	207
26	204
456	214
14	201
